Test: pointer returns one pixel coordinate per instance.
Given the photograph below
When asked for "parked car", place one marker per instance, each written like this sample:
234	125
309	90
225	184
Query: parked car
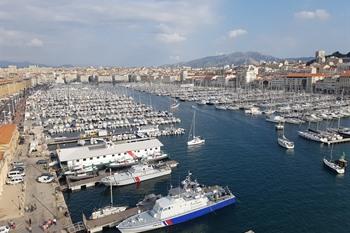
14	173
15	180
42	162
4	229
18	169
18	164
46	178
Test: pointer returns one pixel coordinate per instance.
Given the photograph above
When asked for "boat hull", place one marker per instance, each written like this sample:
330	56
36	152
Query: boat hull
180	219
137	179
330	166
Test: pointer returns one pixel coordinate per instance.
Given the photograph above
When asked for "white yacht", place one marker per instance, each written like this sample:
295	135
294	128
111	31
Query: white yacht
338	165
194	140
136	174
275	119
312	136
284	142
174	105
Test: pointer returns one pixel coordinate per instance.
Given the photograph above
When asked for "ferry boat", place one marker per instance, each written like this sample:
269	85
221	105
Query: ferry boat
136	174
189	201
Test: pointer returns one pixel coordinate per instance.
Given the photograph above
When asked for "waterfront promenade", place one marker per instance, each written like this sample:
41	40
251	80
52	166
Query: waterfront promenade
46	200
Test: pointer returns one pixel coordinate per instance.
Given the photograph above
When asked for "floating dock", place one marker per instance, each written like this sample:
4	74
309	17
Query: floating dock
82	184
97	225
339	141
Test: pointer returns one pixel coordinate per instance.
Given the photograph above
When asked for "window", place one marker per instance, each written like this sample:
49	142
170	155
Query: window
77	160
104	156
84	159
113	155
90	158
97	157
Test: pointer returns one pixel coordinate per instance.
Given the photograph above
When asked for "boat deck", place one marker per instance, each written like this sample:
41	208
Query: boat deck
97	225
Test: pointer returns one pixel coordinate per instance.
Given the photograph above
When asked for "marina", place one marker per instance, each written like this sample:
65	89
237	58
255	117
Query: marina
123	161
200	161
174	116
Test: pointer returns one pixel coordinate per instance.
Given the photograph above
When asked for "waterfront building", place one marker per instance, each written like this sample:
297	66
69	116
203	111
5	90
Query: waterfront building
336	84
106	153
302	81
105	79
8	142
84	78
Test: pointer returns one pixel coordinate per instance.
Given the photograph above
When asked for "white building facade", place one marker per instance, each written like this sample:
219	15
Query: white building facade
100	154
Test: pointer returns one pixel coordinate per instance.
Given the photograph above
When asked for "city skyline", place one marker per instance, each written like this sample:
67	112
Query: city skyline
146	33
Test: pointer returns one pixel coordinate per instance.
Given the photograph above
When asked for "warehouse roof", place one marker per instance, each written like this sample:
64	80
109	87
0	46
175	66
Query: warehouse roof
74	153
6	132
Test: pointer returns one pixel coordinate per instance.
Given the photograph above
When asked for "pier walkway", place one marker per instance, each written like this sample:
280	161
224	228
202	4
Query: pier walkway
97	225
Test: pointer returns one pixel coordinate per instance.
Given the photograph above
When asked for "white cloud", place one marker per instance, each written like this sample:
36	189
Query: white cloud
15	38
236	33
319	14
35	42
170	38
176	58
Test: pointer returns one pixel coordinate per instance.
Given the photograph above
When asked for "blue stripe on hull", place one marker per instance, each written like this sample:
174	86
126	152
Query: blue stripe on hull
204	211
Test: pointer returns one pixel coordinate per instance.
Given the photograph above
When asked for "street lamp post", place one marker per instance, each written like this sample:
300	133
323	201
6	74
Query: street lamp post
4	116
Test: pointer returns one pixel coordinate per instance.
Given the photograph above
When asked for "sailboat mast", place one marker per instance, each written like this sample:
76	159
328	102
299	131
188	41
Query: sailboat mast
110	183
194	123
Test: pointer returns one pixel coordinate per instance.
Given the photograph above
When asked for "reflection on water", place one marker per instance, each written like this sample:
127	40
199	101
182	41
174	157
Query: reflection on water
277	193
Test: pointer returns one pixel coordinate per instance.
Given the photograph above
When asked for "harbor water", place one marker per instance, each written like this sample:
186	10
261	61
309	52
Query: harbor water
277	190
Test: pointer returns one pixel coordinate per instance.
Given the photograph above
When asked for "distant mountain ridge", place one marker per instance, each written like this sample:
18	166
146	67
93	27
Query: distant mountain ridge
337	54
236	58
4	64
23	64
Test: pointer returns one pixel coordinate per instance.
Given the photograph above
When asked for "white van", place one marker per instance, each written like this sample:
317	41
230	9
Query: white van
15	180
14	173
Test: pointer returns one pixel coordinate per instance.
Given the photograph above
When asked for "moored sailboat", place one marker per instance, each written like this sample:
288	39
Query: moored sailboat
196	140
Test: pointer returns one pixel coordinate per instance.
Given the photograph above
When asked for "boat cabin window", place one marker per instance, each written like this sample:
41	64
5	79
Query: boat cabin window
104	156
77	160
84	159
113	155
97	157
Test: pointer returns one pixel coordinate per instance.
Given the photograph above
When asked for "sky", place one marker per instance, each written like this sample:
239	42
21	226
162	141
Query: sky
156	32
